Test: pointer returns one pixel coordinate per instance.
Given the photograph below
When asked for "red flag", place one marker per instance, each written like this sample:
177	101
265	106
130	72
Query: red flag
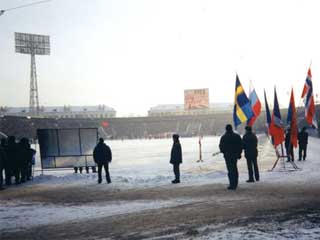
105	124
276	127
292	120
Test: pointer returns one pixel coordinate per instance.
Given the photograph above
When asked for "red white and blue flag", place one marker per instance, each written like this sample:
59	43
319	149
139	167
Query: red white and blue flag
292	121
307	95
276	129
255	105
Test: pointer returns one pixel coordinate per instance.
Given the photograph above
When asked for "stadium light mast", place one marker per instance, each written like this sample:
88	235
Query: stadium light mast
32	44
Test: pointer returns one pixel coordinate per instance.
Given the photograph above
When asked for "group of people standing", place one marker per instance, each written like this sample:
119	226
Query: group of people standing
16	160
102	156
231	145
302	142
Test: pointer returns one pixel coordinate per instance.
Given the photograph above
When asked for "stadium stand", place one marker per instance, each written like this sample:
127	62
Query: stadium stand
137	127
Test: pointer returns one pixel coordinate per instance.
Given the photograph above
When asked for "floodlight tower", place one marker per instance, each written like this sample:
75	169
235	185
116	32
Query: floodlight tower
33	44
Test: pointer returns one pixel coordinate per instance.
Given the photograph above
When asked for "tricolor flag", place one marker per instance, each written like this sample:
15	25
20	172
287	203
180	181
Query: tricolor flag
255	105
242	109
307	95
276	126
292	121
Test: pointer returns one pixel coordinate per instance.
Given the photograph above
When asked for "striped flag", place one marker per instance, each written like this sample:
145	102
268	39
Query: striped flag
242	109
307	95
292	121
255	105
276	126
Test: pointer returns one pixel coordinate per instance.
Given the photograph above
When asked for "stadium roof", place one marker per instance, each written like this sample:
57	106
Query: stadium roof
98	108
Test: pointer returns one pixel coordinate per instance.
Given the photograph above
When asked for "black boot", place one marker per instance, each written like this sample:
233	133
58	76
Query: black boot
175	181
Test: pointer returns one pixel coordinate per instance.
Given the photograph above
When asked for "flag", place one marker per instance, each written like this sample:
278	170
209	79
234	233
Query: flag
242	109
307	95
268	115
276	127
255	106
292	121
105	124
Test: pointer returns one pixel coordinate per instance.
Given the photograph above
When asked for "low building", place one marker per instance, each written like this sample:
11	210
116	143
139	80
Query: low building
180	110
100	111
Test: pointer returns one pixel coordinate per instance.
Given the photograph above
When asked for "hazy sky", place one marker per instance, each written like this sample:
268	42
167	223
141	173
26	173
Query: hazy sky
134	54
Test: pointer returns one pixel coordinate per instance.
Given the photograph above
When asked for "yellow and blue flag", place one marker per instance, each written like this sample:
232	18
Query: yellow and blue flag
242	111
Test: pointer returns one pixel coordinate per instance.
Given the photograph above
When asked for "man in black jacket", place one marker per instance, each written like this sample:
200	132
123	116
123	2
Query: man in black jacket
25	155
231	147
303	142
13	166
250	143
176	157
102	156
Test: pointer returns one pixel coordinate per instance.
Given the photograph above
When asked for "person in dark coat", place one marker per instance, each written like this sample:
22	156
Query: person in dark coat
13	161
250	143
176	157
22	159
102	156
303	142
2	165
289	146
7	170
231	147
26	154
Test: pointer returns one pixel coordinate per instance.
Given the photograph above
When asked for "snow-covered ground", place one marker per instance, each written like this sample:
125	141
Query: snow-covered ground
143	164
138	163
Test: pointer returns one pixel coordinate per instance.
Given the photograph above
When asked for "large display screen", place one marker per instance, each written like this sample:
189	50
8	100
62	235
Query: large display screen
196	98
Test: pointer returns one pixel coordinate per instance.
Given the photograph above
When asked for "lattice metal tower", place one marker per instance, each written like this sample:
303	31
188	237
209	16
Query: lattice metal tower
34	45
34	95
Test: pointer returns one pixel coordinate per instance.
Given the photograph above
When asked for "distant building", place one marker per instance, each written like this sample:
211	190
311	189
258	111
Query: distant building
179	110
100	111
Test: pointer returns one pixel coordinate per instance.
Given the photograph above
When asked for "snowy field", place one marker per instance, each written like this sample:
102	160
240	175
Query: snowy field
140	167
145	163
